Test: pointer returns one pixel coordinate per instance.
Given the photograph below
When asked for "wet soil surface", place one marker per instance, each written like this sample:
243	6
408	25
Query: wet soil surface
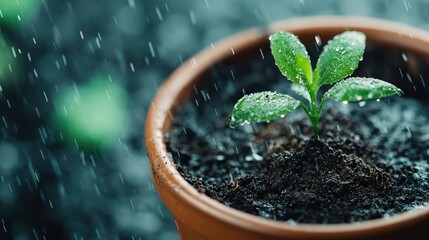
371	159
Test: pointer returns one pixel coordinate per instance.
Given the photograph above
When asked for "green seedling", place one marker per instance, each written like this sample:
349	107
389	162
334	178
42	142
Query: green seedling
338	60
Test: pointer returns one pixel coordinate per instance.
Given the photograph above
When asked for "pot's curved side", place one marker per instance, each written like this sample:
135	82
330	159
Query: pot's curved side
200	217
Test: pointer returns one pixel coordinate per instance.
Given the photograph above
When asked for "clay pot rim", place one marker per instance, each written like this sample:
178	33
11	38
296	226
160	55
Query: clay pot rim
160	114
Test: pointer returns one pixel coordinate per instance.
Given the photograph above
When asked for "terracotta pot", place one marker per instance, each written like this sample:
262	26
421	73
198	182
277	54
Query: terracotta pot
200	217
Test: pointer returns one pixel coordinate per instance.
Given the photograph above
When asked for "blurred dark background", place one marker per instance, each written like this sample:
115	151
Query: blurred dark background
76	79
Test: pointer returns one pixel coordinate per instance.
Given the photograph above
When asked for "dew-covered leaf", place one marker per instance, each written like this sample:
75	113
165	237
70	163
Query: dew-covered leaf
301	91
291	57
340	57
260	107
360	89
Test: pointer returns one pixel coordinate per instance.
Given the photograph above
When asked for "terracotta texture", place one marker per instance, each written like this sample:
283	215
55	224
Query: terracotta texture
200	217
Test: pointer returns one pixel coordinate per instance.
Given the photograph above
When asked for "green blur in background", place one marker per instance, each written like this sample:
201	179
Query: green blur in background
7	62
13	12
94	114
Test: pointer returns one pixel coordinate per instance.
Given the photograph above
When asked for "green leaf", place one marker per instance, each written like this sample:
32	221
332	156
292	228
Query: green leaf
340	57
359	89
301	91
262	106
291	57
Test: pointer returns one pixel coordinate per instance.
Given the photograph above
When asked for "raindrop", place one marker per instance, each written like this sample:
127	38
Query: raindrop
318	40
193	63
409	77
291	222
422	80
158	12
37	112
338	128
131	3
262	54
207	4
46	97
404	57
407	5
409	132
13	52
97	41
152	51
64	60
192	16
122	179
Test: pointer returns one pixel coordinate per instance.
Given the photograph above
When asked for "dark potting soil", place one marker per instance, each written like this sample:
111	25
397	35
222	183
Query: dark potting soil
371	159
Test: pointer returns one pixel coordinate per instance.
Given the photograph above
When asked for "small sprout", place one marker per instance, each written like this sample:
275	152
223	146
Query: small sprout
339	59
